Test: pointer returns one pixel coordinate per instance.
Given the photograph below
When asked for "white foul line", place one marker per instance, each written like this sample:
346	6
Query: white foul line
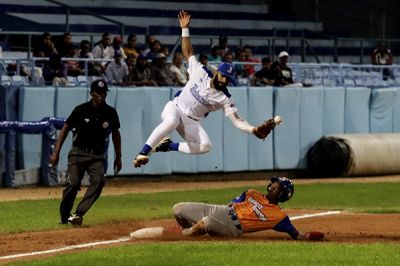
124	239
313	215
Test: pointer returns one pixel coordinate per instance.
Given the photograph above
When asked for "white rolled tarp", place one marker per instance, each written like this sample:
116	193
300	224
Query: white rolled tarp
372	154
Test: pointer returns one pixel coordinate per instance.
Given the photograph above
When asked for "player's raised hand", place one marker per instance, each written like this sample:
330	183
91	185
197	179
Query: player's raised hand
184	19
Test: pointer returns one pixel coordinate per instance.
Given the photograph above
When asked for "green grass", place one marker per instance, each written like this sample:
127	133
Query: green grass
34	215
232	253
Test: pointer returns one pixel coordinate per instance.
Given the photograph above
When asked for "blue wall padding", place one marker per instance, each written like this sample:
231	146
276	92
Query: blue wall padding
180	162
260	108
34	104
311	120
381	110
130	102
235	145
154	102
333	113
66	100
287	135
357	110
396	112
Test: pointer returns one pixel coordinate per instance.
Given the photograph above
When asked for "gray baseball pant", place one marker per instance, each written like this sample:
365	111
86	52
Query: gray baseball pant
217	218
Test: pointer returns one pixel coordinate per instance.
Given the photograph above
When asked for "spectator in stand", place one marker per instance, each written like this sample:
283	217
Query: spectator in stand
131	48
65	44
55	72
239	68
177	68
155	48
223	43
102	51
382	55
263	77
116	46
248	57
117	70
148	41
165	50
281	74
140	75
84	52
45	47
160	71
73	68
215	54
203	59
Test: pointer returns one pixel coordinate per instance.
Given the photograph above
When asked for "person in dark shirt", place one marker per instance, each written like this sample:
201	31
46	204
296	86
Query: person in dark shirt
263	77
92	123
282	75
382	55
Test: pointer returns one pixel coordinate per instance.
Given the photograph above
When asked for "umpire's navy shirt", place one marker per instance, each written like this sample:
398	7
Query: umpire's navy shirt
92	126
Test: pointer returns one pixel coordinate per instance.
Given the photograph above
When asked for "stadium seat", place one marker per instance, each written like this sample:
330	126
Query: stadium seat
5	80
72	81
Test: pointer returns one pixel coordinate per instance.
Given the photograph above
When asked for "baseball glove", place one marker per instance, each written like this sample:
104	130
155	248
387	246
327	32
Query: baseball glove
314	236
263	130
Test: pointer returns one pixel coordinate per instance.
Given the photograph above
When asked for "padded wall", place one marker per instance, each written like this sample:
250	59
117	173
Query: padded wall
65	102
287	136
129	105
235	146
381	110
357	110
260	108
311	120
35	103
396	112
333	113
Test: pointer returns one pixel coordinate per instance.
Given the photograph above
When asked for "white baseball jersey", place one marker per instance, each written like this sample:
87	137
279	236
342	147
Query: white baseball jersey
197	98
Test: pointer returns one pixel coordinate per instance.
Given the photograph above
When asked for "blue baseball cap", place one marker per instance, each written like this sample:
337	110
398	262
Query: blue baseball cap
226	69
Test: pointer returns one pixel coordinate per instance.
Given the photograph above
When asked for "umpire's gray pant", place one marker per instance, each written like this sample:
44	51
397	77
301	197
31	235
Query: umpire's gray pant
217	218
78	162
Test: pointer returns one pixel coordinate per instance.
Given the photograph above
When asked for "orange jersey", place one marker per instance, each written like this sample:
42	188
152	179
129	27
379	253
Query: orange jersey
256	213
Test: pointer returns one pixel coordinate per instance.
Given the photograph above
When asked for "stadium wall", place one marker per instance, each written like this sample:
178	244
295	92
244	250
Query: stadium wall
308	114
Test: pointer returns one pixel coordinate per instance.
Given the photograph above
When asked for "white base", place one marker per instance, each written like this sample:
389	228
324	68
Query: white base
149	232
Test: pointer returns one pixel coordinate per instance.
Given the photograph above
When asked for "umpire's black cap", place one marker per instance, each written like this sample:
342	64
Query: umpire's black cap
99	86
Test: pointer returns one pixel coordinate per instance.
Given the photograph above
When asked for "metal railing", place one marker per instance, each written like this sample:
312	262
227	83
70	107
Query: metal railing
327	74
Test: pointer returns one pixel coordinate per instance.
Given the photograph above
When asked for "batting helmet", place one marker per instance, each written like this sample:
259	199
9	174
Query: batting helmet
287	187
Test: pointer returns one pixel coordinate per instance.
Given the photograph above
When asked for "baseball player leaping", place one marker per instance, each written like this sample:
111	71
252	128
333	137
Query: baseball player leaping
204	92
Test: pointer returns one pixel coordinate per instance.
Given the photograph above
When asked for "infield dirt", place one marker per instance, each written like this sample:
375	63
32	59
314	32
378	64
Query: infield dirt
343	227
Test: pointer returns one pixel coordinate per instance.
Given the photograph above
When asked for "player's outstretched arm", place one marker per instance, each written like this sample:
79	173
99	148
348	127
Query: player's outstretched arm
240	123
187	48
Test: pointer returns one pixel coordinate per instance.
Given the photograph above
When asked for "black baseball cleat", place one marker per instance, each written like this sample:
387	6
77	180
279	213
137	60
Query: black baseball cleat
163	146
75	219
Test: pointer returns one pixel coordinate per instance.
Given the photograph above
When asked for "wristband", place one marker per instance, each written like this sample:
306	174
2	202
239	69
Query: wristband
185	32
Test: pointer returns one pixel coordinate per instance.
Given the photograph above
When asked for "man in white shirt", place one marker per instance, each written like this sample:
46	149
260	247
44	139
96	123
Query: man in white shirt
203	93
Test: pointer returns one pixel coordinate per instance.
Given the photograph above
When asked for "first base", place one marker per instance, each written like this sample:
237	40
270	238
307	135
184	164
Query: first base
149	232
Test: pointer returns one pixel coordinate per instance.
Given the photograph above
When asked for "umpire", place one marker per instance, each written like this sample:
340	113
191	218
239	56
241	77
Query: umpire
91	124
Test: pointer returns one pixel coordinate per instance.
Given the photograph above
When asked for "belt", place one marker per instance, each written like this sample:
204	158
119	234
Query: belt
234	218
195	119
89	151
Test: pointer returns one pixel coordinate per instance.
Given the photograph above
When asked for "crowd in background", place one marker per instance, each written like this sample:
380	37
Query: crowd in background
126	63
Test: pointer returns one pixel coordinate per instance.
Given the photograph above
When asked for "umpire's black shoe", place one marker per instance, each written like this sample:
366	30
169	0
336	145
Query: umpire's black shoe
163	146
75	219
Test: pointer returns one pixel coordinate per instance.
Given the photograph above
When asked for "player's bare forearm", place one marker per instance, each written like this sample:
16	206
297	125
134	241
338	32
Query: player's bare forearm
184	22
61	138
55	156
